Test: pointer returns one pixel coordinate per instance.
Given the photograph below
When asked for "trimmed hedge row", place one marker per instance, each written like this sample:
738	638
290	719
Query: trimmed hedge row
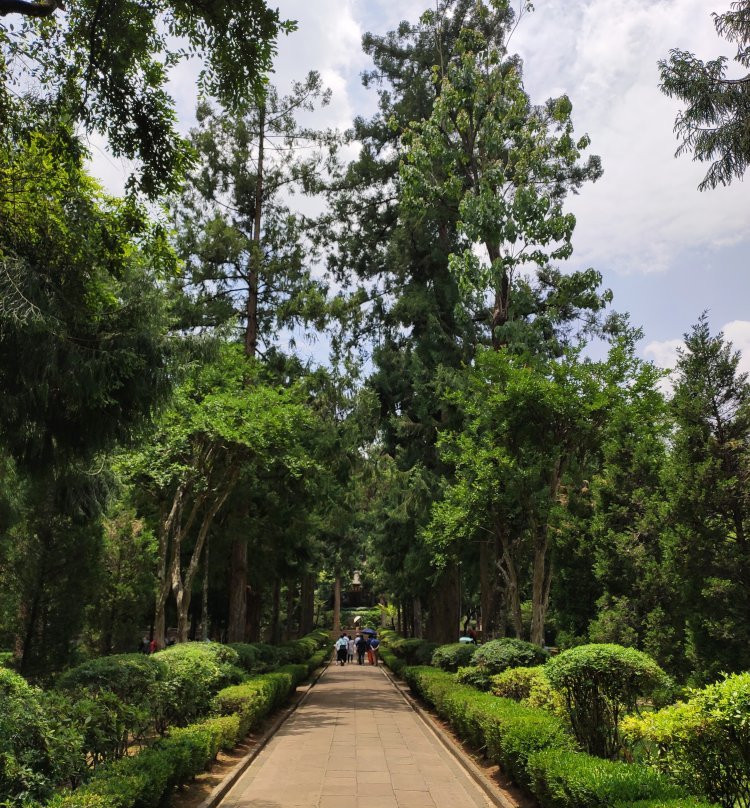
145	780
536	749
260	657
411	650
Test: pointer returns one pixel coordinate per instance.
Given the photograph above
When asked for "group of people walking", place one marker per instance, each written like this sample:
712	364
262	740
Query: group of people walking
361	645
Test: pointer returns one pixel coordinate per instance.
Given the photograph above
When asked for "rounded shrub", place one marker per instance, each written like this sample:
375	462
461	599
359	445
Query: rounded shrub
247	656
531	687
195	672
517	683
131	677
703	743
497	656
453	656
600	684
473	677
37	752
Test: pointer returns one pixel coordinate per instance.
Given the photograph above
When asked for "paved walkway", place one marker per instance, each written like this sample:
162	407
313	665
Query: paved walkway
354	743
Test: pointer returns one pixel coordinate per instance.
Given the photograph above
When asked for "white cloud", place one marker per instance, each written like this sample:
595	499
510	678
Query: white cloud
664	353
604	54
738	333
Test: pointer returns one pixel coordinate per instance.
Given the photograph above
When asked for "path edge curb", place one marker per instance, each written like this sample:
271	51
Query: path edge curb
225	786
451	746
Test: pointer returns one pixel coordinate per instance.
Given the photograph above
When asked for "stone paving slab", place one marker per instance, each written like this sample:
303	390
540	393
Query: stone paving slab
355	743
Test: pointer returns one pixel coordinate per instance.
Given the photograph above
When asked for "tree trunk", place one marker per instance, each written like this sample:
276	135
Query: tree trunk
238	592
416	626
204	601
163	584
291	591
254	614
541	580
307	604
274	628
445	618
337	605
183	589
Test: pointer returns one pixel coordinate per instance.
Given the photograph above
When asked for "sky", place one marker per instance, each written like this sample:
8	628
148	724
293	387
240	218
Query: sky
666	250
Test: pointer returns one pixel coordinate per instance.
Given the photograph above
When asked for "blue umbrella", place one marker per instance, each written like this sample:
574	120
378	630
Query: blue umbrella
369	631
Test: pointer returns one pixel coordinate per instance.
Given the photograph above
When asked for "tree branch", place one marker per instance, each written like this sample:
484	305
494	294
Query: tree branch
30	9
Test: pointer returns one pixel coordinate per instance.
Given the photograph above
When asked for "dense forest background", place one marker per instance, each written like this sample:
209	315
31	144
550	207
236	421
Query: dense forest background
484	444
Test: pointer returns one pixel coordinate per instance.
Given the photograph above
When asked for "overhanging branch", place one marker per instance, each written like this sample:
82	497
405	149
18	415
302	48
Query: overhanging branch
30	9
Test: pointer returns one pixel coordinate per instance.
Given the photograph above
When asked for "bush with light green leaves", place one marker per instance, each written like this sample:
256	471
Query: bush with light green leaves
453	656
529	686
704	742
497	656
600	685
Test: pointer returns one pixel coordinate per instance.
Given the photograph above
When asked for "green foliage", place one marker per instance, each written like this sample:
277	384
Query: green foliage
247	655
707	549
499	655
37	752
110	70
600	684
412	650
531	687
681	802
575	780
473	676
133	678
713	125
265	286
254	698
703	743
395	663
195	673
508	732
453	656
517	683
146	780
84	358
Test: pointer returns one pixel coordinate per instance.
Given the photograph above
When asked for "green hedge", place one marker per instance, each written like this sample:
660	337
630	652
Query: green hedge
196	671
391	660
703	743
474	677
255	698
500	655
146	779
682	802
453	656
508	732
536	749
412	650
562	779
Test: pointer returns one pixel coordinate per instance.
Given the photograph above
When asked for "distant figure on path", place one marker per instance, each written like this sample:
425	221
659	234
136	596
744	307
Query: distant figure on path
342	649
153	647
361	645
374	645
350	650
